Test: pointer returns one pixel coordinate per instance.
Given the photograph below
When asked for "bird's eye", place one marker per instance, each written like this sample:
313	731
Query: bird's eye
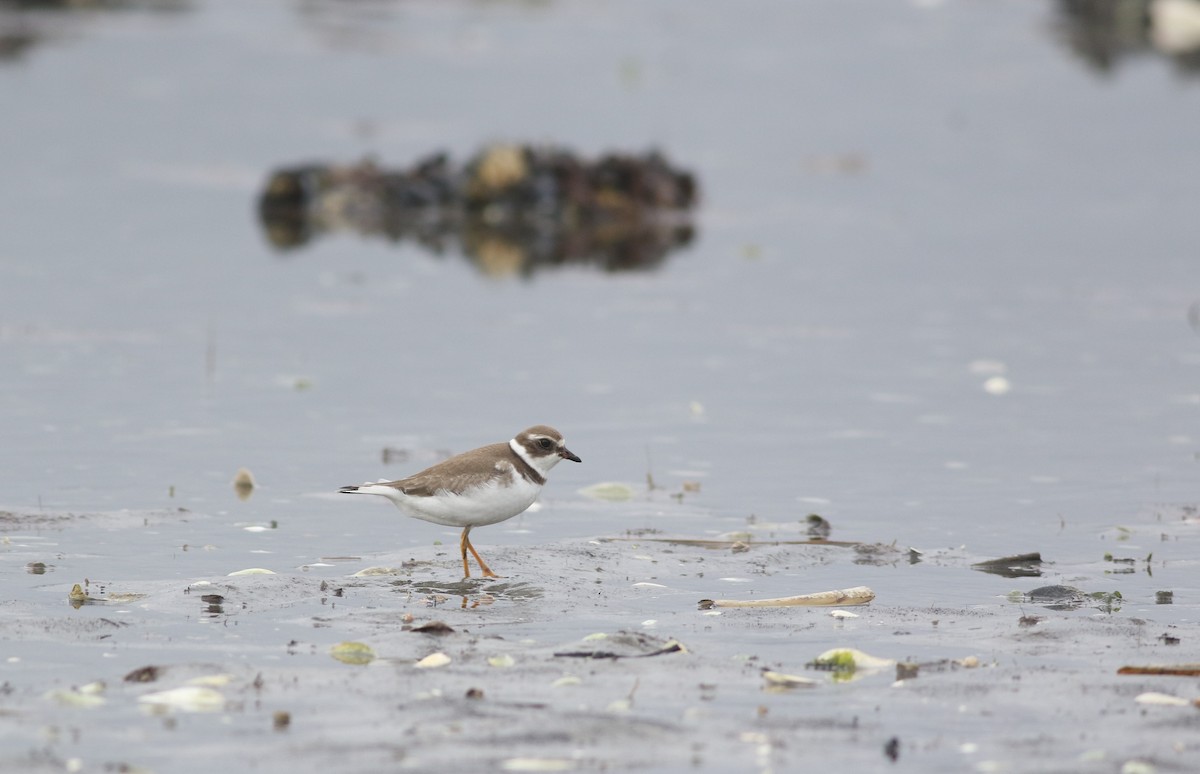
545	443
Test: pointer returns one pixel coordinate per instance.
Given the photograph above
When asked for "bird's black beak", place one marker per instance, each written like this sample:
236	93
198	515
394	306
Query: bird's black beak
566	454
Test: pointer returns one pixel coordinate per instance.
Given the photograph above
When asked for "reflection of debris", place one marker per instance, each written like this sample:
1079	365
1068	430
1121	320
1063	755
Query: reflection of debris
1017	566
510	209
1102	32
608	490
27	23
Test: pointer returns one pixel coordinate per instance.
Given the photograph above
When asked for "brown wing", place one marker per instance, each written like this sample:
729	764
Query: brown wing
471	469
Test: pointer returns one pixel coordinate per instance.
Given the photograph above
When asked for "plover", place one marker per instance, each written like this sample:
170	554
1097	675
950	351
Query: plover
480	487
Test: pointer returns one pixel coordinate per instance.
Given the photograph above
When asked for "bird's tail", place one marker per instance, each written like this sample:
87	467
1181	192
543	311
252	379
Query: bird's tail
376	489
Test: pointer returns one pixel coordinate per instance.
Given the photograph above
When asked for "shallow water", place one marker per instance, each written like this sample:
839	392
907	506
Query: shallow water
900	203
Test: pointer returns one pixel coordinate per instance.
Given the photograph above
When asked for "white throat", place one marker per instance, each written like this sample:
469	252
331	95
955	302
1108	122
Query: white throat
540	464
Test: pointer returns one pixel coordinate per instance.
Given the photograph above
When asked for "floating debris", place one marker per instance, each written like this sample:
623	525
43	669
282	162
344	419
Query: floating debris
997	385
565	681
1103	33
1164	597
608	490
146	674
510	209
849	660
370	571
842	614
503	661
187	698
437	628
858	595
357	653
1175	670
1057	597
212	681
779	680
625	645
83	697
77	597
730	539
281	719
1016	566
818	527
251	571
433	661
243	484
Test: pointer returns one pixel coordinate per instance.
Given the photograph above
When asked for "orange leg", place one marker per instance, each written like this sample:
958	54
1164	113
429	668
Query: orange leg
465	545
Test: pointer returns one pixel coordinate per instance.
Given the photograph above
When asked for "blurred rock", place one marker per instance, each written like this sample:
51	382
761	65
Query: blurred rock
1103	32
511	209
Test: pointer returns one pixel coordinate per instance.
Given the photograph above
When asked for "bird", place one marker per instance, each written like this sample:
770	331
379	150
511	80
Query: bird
479	487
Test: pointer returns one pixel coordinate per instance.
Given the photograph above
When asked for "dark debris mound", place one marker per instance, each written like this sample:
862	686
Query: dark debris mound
510	209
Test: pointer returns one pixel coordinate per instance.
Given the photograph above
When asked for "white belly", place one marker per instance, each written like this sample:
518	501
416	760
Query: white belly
473	508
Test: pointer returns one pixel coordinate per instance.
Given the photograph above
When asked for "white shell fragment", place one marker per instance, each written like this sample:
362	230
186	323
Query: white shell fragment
537	764
433	661
842	614
1161	699
188	698
782	680
212	681
78	697
997	385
